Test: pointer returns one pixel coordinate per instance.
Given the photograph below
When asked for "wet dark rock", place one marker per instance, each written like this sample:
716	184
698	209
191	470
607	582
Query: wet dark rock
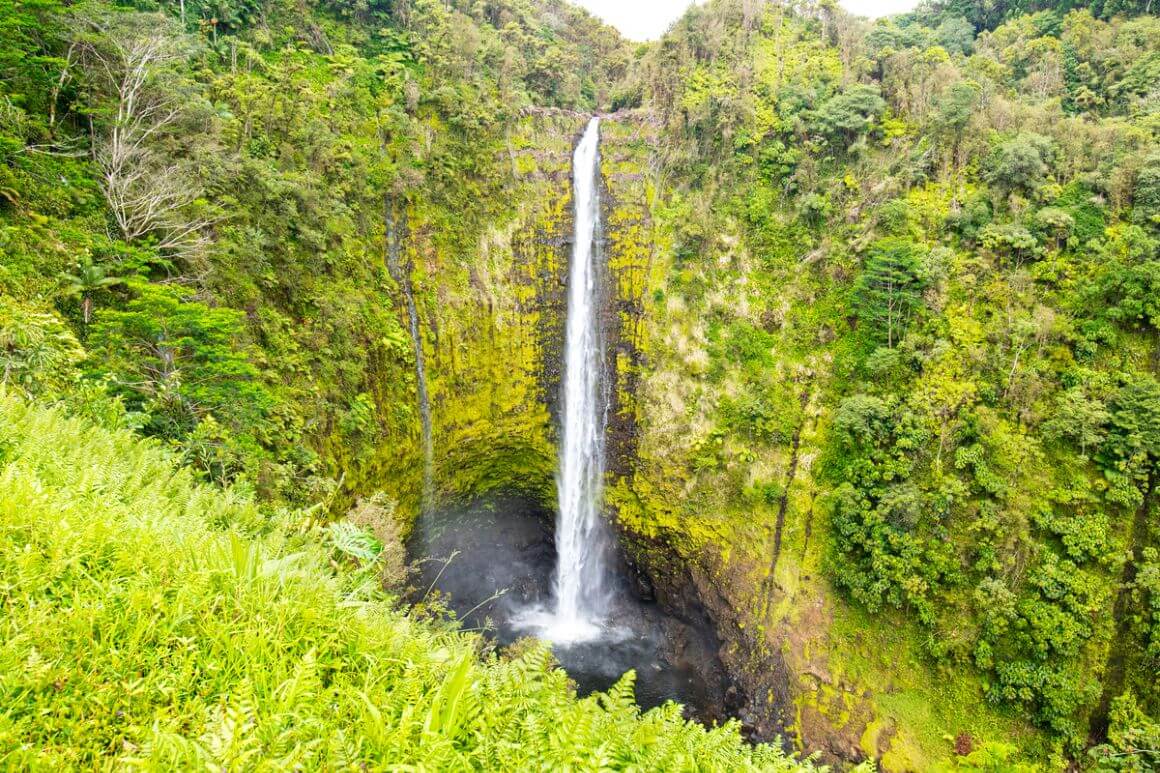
502	557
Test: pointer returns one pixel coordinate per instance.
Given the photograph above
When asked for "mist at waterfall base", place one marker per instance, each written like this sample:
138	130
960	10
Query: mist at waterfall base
502	553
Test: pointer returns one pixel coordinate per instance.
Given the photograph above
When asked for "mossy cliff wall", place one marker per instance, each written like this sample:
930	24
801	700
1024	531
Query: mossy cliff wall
725	529
720	414
681	551
491	325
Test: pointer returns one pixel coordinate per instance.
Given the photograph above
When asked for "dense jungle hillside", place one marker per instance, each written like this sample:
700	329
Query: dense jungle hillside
883	336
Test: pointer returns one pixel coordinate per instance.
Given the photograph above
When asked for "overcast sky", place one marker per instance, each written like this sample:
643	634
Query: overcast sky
647	19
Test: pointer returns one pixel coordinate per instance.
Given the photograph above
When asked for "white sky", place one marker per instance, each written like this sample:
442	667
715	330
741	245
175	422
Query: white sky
647	19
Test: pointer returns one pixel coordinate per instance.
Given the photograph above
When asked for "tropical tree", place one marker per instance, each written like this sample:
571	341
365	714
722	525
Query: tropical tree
134	61
890	288
852	113
179	360
88	279
1021	163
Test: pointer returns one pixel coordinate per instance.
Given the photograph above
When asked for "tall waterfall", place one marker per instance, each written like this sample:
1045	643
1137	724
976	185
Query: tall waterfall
581	537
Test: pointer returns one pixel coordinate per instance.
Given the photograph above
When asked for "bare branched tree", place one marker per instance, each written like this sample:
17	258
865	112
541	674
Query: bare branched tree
129	58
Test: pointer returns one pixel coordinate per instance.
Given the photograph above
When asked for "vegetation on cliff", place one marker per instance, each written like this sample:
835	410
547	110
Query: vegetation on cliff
201	193
910	308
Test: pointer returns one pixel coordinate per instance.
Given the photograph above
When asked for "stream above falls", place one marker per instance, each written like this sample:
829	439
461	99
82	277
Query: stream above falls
502	559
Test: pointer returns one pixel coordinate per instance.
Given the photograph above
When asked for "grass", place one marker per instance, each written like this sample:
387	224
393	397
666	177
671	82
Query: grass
150	621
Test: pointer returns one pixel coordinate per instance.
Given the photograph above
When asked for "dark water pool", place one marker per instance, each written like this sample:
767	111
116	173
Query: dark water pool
492	561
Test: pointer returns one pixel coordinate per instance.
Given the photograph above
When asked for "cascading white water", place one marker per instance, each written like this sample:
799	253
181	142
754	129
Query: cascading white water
581	541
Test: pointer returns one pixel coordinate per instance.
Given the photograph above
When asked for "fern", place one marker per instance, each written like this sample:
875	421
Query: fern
152	622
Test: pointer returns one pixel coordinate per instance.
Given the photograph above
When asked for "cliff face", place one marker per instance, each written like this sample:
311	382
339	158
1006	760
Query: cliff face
659	511
493	333
671	525
721	533
492	330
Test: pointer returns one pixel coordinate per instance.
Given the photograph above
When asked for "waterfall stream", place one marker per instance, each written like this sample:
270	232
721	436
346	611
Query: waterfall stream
581	538
581	587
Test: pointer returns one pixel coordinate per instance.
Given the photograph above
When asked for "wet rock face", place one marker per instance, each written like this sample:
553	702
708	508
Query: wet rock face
628	248
547	248
759	692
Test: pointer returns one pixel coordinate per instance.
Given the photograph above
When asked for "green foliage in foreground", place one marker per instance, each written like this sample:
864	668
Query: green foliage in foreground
150	620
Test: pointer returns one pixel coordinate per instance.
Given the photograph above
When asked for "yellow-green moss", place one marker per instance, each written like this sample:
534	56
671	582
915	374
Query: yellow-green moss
484	326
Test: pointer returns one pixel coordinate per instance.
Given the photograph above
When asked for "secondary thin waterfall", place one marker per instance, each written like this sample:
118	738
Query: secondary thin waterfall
402	275
581	537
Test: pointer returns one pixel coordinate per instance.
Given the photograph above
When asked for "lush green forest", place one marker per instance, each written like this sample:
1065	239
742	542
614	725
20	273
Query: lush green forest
935	251
887	397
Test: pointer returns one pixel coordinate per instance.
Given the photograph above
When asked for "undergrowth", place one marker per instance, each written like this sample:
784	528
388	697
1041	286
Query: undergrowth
151	621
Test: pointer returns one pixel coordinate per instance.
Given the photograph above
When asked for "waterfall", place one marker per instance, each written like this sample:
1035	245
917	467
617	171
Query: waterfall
582	541
402	275
424	402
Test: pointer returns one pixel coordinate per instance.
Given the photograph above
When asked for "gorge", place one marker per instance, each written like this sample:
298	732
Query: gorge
815	381
491	559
